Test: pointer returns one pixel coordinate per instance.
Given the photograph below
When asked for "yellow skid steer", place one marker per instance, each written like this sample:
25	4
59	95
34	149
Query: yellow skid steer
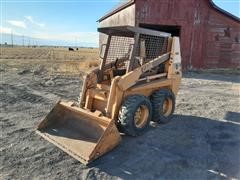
136	83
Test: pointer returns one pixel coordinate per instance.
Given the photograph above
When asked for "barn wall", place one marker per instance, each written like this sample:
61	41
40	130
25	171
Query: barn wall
171	13
121	18
222	44
209	39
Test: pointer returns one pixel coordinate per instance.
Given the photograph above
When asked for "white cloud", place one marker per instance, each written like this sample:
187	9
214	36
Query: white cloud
30	19
19	24
89	37
5	30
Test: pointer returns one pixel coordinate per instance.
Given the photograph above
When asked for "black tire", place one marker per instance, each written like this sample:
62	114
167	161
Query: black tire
161	113
128	121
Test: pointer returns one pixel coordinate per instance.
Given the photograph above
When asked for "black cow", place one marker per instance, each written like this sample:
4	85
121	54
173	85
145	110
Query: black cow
70	49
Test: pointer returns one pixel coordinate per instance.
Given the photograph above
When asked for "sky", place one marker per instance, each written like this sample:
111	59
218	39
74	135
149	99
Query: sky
73	21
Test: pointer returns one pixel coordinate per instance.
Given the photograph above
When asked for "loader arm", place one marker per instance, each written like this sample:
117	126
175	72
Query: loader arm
173	66
132	77
89	81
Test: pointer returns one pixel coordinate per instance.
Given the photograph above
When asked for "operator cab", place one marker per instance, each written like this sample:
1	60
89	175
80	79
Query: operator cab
127	48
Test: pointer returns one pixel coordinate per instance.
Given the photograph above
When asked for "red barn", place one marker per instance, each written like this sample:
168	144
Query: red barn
210	36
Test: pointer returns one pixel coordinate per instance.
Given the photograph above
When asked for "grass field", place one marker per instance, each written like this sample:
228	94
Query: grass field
50	60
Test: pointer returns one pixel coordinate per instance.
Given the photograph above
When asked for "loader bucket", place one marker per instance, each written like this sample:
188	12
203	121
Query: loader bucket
82	134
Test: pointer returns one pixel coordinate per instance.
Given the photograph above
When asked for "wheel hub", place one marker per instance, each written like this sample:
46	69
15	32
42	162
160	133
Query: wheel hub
141	116
167	107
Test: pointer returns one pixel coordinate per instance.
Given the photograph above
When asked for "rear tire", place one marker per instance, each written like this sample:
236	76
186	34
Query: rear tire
135	115
163	104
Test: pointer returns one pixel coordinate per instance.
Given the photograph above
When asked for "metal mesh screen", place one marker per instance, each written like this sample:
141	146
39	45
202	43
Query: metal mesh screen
149	47
120	47
153	46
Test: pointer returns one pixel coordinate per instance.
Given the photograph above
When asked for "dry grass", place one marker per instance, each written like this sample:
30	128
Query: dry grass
50	60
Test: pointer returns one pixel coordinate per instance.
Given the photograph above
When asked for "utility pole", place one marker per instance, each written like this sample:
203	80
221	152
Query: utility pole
12	38
28	41
75	42
32	42
23	40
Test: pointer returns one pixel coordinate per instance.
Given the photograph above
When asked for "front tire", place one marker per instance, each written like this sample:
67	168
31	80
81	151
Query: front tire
135	115
163	104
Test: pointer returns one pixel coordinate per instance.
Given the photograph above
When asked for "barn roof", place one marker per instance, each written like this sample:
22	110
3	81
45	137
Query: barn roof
130	2
223	11
119	8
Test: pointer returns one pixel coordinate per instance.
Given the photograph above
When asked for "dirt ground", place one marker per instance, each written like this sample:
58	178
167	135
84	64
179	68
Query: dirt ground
201	142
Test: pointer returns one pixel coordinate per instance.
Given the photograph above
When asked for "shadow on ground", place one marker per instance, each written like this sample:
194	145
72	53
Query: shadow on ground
234	78
187	147
232	116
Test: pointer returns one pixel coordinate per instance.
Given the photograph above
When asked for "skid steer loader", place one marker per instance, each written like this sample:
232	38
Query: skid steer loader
137	82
